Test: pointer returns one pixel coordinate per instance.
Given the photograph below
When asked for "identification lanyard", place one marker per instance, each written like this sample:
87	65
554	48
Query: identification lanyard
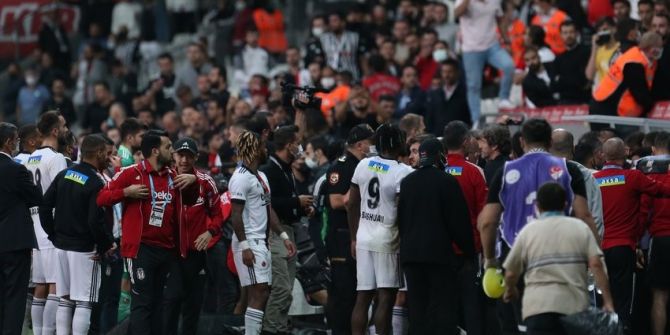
153	191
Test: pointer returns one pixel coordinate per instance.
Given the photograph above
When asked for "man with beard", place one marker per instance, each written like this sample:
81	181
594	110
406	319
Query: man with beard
538	82
132	131
153	196
162	90
289	207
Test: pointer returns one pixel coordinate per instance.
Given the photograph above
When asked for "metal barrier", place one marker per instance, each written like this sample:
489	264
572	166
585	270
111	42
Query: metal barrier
645	123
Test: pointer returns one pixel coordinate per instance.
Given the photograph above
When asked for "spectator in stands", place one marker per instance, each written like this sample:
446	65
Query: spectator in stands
385	108
269	22
98	111
252	60
162	90
661	7
570	82
312	48
550	19
343	49
538	83
387	51
429	57
183	15
660	24
197	64
448	102
480	46
401	29
14	83
515	29
446	29
645	10
52	37
536	37
60	101
339	85
127	14
621	10
172	124
635	70
31	99
379	82
627	34
603	47
48	72
90	70
411	98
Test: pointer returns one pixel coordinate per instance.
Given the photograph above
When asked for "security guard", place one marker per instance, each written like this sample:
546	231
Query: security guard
342	289
627	87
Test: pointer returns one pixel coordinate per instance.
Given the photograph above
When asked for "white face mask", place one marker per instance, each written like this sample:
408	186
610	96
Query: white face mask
317	31
440	55
31	80
327	82
311	163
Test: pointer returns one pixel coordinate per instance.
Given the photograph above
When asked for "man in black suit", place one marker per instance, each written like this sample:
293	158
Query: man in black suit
537	85
448	102
17	238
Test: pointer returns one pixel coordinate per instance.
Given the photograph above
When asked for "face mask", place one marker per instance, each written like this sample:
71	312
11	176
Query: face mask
311	163
327	82
31	80
317	31
440	55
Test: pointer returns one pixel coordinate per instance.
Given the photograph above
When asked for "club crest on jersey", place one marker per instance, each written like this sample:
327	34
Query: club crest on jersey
32	160
378	167
454	170
611	180
162	196
76	177
140	274
556	172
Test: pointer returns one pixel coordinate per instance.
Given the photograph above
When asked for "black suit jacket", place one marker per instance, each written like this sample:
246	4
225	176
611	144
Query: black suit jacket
440	111
285	200
18	194
537	91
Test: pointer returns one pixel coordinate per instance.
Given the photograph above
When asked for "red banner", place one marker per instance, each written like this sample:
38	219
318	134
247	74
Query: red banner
20	23
554	114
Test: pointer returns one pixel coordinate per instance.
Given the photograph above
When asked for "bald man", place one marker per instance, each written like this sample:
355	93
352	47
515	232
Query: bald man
562	145
621	190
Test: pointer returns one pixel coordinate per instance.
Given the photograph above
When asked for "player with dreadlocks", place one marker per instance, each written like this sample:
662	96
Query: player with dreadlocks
374	233
251	213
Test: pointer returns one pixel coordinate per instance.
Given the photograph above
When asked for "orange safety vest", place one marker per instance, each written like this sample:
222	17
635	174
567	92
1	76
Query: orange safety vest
330	100
270	27
608	85
552	30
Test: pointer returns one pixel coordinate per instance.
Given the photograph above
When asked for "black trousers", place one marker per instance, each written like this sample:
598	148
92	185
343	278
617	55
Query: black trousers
148	274
620	268
431	296
478	312
105	312
222	286
341	297
184	293
14	277
545	324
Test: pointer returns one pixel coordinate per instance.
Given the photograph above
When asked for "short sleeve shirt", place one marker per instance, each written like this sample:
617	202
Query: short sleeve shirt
252	190
338	181
478	25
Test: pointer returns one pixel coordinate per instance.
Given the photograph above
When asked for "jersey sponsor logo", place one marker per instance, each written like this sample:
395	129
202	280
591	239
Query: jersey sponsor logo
454	170
512	176
76	177
556	172
162	196
34	160
611	180
372	217
334	178
378	167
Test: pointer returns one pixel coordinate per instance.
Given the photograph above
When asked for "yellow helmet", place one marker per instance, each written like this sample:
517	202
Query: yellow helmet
493	283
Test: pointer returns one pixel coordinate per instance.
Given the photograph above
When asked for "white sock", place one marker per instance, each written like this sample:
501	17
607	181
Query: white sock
36	312
49	318
82	318
372	330
64	317
399	320
253	321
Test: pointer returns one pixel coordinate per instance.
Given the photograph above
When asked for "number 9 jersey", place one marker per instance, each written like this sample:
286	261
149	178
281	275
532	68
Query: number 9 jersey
378	180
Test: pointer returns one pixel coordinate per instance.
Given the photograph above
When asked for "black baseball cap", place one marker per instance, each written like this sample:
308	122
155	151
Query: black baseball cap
186	143
359	133
428	151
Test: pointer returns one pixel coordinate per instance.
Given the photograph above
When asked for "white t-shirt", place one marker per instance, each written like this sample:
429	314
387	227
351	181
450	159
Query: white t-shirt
378	180
245	186
478	24
44	164
22	158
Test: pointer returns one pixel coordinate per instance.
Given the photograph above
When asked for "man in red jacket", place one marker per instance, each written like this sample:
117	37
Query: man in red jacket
473	185
202	229
152	195
621	190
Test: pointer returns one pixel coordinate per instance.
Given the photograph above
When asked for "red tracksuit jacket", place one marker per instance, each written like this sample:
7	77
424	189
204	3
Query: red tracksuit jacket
204	215
135	226
473	184
621	191
656	211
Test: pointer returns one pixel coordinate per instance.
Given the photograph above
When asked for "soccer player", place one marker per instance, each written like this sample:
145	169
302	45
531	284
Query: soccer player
78	229
185	289
251	214
45	163
374	233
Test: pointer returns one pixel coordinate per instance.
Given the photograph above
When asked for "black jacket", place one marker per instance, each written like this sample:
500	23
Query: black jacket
285	200
77	223
440	111
432	213
538	91
416	104
17	194
570	80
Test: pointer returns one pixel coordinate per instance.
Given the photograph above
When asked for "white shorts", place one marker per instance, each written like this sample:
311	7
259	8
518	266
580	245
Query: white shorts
78	276
261	272
377	270
45	263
